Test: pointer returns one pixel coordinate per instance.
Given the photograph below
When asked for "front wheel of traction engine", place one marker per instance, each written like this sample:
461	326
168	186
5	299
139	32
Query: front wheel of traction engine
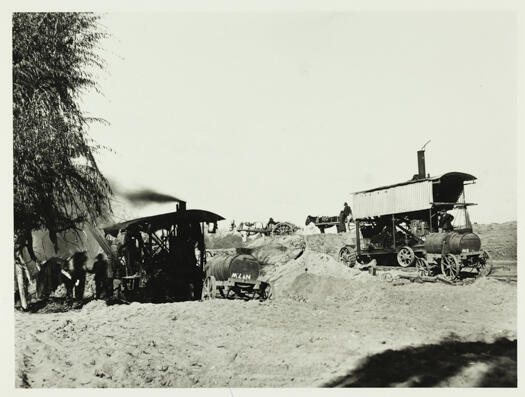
209	289
450	266
406	256
347	255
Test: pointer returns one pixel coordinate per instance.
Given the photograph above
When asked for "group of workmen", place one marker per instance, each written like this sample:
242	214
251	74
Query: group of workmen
74	277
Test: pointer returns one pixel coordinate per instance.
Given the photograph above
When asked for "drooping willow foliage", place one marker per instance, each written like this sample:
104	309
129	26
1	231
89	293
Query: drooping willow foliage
57	184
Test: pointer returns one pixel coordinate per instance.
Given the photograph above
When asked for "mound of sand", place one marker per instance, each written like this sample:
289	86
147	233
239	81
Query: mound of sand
313	267
308	287
498	239
94	305
274	251
329	243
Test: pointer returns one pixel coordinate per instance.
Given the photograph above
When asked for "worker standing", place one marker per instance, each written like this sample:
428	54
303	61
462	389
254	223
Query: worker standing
445	222
78	279
347	212
100	268
271	224
133	246
341	226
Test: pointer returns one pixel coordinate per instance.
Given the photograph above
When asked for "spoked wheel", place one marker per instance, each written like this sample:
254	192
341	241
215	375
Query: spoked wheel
450	266
406	256
282	229
267	293
484	265
347	255
423	268
209	289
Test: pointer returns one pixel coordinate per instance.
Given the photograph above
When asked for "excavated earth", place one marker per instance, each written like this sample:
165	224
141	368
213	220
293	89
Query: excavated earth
328	325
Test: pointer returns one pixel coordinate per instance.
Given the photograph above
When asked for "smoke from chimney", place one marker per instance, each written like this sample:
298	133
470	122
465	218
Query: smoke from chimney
146	196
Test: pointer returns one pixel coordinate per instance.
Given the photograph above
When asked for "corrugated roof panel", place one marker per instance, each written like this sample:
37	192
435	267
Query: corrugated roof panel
393	200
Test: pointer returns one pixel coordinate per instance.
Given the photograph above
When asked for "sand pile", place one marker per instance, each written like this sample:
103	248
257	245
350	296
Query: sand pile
329	243
223	239
498	239
274	251
308	287
318	268
305	267
94	305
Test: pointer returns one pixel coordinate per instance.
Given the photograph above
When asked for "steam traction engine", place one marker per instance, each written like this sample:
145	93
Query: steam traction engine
408	224
159	258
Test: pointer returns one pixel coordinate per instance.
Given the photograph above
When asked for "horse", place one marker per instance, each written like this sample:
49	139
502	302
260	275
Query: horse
56	271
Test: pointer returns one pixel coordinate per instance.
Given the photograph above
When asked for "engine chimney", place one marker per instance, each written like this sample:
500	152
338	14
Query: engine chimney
421	164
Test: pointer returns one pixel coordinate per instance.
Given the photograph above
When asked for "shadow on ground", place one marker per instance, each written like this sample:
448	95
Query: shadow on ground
449	363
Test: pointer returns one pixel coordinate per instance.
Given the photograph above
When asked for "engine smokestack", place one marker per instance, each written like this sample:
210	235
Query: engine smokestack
421	164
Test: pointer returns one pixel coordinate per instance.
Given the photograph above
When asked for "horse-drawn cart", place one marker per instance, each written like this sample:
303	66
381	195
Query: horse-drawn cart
271	229
326	222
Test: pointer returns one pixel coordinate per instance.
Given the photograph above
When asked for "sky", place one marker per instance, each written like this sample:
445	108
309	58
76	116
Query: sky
284	115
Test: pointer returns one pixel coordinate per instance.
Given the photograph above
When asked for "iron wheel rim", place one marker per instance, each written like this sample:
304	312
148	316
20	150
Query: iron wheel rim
405	257
450	267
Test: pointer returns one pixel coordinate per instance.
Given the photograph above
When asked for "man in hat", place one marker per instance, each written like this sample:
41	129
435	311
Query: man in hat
445	222
77	283
347	211
100	269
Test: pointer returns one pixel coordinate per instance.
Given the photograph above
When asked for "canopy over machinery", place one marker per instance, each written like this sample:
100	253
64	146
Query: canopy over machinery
439	193
156	222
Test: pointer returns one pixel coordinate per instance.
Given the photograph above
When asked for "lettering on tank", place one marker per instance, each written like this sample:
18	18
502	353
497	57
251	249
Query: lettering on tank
241	276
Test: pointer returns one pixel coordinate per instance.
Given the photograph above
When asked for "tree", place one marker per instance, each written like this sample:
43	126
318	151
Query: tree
57	183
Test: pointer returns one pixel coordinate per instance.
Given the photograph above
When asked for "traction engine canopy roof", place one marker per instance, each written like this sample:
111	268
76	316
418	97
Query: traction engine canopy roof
157	222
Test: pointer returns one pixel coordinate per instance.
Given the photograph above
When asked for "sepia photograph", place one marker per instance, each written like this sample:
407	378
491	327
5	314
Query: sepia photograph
274	198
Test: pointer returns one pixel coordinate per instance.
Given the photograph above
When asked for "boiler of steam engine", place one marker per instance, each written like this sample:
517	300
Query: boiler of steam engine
457	242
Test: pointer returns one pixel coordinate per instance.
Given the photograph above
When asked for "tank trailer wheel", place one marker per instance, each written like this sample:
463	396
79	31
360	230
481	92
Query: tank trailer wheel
267	293
209	289
347	255
406	256
484	265
450	267
423	269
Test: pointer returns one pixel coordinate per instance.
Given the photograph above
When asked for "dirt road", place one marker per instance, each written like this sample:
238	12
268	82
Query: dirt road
362	332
